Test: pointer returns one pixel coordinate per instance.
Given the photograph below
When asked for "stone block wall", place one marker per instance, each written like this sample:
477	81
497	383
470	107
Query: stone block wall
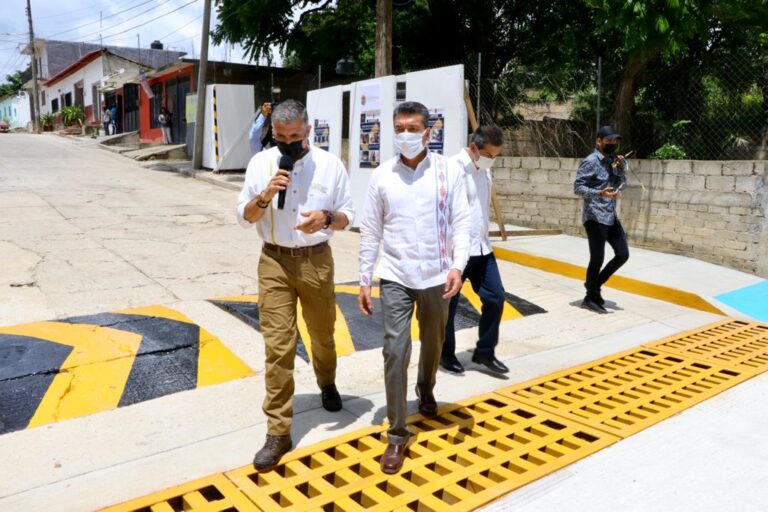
716	211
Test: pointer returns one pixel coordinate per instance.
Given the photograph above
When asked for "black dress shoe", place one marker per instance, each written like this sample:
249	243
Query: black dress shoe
490	362
331	398
427	404
590	304
274	448
392	460
451	364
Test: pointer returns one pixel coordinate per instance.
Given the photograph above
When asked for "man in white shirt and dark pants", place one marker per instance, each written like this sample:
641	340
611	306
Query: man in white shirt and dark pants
416	208
295	264
481	270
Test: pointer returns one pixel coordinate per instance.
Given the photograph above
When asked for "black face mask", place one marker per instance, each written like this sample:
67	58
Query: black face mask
610	148
293	149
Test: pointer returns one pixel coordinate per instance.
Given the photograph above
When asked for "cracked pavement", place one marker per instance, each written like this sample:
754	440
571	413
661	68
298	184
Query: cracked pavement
84	230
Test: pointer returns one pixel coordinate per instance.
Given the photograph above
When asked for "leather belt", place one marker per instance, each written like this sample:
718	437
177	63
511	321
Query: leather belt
297	251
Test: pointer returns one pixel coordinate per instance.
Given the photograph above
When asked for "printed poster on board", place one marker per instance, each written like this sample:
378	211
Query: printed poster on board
437	130
370	127
322	132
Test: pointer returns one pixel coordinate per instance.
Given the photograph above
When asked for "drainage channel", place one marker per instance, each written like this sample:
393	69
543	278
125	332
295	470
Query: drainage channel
479	449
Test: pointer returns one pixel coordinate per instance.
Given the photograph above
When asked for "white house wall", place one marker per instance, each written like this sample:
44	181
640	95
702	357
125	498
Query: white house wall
90	74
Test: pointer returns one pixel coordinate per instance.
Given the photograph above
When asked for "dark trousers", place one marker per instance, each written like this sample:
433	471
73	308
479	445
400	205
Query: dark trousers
397	304
483	275
598	234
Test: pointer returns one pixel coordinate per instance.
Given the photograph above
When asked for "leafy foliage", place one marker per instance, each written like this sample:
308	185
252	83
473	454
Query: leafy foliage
669	151
72	115
47	119
13	84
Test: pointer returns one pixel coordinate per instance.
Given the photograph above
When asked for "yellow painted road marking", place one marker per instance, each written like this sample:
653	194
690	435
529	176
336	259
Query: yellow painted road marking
216	363
93	376
509	313
238	298
625	284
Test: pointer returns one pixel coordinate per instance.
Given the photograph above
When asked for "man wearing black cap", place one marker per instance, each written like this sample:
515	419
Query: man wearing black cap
599	180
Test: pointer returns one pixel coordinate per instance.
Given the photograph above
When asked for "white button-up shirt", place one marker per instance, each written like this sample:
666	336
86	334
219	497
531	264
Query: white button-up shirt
420	218
478	183
318	182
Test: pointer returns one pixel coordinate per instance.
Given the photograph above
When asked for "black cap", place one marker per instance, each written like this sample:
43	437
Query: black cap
607	132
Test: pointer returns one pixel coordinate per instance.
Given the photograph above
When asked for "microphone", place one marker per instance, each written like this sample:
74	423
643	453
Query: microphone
286	163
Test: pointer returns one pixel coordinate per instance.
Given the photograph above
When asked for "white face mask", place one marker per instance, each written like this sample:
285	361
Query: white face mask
484	162
409	144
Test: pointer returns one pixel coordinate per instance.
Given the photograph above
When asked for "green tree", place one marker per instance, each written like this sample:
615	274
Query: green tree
645	30
14	83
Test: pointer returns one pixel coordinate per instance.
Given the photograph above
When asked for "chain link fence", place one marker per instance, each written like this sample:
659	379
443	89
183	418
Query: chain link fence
680	111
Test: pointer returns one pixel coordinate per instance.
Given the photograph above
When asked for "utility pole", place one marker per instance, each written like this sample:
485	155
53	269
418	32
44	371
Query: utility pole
197	155
383	65
35	91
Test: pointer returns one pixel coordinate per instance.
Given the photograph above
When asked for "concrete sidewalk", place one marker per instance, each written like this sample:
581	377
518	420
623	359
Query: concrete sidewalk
147	237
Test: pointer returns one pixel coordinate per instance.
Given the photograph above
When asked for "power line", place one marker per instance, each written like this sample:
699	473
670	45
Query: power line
150	21
181	27
97	32
105	17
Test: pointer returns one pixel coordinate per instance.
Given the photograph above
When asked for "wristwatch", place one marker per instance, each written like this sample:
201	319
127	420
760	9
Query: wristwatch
260	202
329	218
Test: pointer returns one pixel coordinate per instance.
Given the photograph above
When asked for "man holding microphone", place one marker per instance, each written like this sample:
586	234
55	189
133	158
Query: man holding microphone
296	195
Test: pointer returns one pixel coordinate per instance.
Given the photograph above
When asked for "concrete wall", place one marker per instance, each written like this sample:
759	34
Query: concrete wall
712	210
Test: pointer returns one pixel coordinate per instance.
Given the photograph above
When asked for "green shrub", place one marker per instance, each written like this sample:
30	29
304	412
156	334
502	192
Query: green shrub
72	115
47	119
669	151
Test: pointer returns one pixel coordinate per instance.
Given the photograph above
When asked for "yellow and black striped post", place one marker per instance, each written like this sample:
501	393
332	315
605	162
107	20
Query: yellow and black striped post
215	128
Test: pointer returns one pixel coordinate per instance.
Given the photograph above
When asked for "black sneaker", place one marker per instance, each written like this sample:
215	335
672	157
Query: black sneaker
590	304
274	448
598	299
331	398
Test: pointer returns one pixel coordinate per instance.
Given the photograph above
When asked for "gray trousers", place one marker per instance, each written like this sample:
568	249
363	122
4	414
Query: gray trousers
397	303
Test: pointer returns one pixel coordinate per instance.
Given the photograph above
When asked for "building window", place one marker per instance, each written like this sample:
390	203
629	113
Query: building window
42	98
55	105
155	104
68	99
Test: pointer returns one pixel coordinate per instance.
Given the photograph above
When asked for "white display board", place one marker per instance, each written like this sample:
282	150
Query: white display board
371	133
442	91
325	110
371	129
225	135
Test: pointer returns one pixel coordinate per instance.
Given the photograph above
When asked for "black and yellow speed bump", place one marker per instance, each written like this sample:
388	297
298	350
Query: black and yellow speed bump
51	371
356	332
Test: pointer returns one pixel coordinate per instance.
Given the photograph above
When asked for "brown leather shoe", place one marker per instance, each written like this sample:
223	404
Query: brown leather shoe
392	460
427	404
274	448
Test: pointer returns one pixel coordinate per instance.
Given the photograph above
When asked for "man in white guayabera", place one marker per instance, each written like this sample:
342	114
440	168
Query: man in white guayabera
416	209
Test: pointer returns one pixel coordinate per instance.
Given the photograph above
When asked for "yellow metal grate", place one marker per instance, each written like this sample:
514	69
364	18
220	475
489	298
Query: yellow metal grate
627	392
474	452
210	494
732	343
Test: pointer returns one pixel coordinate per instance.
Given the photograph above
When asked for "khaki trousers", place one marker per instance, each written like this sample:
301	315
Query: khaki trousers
283	280
397	303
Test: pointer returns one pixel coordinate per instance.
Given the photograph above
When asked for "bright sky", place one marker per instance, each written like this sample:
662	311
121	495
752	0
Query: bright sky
176	23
